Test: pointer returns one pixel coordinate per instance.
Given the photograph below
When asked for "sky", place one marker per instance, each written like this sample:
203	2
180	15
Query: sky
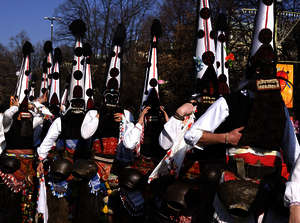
27	15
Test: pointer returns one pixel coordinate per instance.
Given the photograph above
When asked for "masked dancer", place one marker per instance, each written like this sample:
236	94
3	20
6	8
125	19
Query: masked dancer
18	188
253	124
71	153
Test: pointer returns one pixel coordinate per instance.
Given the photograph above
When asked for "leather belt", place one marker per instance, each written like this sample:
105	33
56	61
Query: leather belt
246	170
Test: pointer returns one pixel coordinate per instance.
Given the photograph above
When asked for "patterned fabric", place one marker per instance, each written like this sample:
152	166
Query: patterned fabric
95	184
133	202
144	164
193	171
124	154
138	147
59	189
113	181
71	145
172	161
122	128
18	180
103	170
11	181
185	219
22	181
109	146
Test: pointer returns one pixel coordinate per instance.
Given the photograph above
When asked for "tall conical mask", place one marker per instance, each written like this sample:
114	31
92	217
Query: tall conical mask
221	55
76	93
88	85
263	57
44	79
207	82
49	61
54	94
23	89
267	118
32	88
150	92
113	81
64	103
205	52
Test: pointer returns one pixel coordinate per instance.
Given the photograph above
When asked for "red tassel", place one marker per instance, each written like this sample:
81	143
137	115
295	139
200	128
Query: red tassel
54	99
90	103
223	88
77	92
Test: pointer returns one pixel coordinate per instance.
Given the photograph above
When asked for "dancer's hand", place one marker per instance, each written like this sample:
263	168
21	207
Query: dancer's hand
14	101
142	115
162	108
294	214
234	136
185	109
40	169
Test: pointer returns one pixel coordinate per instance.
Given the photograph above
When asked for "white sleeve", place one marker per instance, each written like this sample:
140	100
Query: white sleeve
290	144
132	136
170	133
129	117
51	137
8	117
209	121
2	137
37	121
292	191
89	124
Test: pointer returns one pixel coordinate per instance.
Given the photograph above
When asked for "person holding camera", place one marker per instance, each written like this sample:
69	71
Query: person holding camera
143	138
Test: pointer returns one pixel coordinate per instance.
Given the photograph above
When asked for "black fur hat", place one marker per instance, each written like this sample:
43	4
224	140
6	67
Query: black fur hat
44	65
120	35
156	29
57	55
48	47
87	50
222	22
27	48
77	28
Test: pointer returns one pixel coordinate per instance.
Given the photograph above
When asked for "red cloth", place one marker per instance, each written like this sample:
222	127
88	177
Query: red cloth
109	146
251	159
103	170
144	165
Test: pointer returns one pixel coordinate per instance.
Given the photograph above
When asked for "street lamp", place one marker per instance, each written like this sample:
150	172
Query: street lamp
51	19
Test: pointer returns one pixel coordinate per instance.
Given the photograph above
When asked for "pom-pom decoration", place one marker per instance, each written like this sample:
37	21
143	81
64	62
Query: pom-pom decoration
76	88
205	51
262	54
120	35
23	83
113	80
88	86
77	28
54	93
151	77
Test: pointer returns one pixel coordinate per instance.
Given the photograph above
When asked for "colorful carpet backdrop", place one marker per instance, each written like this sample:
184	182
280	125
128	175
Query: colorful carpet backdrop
286	71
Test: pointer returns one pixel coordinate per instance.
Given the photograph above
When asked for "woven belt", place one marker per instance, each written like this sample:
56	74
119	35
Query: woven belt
103	159
28	156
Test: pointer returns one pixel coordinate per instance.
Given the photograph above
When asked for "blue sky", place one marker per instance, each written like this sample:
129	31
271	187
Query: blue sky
27	15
